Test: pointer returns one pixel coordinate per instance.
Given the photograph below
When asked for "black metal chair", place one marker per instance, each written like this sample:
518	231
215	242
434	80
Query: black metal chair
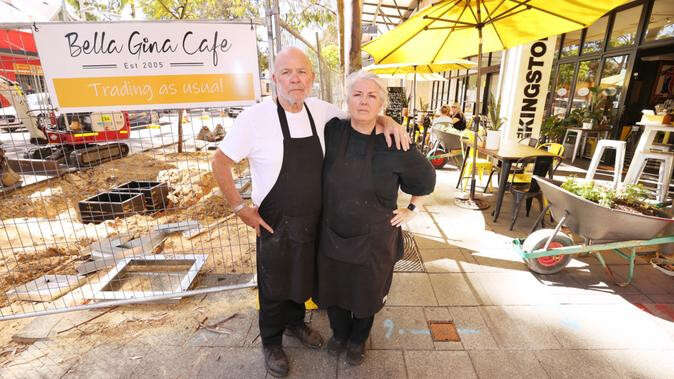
532	142
530	190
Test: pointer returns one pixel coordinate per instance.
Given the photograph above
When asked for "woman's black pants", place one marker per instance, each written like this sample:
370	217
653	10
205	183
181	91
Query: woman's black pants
346	327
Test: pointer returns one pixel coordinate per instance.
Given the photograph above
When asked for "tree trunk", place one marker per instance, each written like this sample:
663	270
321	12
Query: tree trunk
133	8
355	62
340	25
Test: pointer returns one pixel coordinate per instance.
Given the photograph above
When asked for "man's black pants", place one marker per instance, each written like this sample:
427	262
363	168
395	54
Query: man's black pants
275	316
346	327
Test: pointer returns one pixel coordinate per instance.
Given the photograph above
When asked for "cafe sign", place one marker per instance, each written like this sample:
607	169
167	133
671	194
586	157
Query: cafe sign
149	65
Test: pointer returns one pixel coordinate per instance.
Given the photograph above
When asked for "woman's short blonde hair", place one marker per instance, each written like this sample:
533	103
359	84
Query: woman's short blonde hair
359	75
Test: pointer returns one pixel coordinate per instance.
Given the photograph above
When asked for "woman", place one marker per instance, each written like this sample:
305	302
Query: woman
360	238
445	115
458	121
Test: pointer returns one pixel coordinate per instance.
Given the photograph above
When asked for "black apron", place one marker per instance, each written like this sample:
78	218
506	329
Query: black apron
286	259
358	246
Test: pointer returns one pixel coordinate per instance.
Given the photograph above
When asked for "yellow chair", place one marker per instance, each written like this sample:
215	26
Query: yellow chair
483	165
554	148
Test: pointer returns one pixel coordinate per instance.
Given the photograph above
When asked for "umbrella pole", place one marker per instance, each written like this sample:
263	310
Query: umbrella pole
471	202
414	103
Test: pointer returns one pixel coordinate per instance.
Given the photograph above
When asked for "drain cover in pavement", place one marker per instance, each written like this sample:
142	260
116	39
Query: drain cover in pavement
411	260
443	331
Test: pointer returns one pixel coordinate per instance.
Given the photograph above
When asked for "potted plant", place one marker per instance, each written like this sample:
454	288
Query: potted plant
553	130
494	123
593	112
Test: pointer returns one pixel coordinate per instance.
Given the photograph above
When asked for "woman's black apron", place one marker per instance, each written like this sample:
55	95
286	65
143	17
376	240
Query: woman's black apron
286	259
358	245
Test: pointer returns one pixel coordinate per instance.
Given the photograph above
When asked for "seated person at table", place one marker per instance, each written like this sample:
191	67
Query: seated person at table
360	238
458	121
444	115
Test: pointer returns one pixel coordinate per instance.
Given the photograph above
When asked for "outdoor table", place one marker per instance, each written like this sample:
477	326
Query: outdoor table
645	143
581	137
507	154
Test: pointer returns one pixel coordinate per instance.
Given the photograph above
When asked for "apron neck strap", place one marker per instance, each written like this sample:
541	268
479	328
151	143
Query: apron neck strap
284	120
345	141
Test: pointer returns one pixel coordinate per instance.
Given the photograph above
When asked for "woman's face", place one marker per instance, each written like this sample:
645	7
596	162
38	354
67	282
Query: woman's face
364	101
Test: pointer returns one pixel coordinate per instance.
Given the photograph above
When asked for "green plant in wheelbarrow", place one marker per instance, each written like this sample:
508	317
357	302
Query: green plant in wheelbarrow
632	198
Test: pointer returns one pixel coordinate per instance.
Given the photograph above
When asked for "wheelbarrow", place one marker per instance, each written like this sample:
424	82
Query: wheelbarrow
548	251
444	145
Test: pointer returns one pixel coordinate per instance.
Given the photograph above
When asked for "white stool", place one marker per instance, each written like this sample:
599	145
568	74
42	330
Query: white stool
665	174
620	147
578	136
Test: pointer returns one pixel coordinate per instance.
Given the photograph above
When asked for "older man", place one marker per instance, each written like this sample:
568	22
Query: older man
283	142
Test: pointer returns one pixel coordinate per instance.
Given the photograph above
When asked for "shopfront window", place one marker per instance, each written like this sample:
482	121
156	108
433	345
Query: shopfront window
451	94
587	72
471	95
594	38
563	88
611	84
661	23
624	31
571	44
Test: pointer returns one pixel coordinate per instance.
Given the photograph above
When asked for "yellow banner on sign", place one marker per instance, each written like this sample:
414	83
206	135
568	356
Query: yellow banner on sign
159	89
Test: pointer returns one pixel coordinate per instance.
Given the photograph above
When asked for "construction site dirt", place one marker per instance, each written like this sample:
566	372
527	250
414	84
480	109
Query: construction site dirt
43	234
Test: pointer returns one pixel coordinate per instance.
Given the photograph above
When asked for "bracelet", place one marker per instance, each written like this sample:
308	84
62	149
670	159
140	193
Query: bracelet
239	207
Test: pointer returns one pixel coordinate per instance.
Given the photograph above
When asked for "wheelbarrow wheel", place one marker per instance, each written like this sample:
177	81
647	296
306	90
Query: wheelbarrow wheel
438	163
550	264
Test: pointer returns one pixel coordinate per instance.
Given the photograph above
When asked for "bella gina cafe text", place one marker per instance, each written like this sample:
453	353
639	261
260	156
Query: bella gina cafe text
142	47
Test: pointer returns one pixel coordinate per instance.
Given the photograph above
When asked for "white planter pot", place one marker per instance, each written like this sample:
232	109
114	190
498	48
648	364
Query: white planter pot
587	125
493	139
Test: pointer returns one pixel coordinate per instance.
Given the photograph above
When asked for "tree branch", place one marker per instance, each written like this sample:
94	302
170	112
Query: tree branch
297	35
167	9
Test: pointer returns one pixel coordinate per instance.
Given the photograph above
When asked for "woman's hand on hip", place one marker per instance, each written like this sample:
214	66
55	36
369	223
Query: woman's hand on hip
402	216
252	218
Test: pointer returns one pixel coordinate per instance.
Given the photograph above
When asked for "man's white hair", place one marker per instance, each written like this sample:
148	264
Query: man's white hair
359	75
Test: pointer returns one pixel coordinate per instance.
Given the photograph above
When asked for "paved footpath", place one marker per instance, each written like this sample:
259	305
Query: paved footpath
511	322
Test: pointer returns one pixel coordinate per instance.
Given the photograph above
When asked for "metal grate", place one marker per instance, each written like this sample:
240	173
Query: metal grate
411	260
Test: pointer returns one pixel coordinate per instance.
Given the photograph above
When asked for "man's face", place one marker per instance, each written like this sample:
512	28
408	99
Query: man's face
293	77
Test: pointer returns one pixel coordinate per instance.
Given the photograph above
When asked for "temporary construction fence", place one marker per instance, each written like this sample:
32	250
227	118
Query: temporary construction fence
74	234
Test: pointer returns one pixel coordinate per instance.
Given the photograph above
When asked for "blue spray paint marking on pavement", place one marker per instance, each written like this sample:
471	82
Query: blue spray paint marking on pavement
419	331
467	331
571	324
388	324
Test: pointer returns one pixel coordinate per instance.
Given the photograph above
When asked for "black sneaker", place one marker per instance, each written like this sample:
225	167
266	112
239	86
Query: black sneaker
275	360
355	353
306	335
336	346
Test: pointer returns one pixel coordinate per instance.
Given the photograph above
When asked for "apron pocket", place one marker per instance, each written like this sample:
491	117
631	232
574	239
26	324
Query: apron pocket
352	250
302	229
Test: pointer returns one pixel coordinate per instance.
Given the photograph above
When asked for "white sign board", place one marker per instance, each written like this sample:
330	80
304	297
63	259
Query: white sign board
526	73
148	65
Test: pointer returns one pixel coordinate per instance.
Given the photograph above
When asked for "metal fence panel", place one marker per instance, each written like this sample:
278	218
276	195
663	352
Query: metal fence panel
150	225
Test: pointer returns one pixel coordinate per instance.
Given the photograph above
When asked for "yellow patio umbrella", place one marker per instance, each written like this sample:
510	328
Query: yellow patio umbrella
419	67
452	29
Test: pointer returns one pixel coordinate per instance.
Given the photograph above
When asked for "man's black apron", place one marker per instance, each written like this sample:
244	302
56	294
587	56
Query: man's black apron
286	259
358	245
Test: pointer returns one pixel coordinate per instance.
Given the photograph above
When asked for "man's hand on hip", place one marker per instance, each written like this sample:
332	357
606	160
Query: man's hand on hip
252	218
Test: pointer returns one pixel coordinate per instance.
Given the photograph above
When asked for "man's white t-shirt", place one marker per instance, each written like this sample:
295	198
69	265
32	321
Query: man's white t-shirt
257	135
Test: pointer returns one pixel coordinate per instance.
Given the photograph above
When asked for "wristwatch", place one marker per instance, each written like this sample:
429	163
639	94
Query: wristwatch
413	208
